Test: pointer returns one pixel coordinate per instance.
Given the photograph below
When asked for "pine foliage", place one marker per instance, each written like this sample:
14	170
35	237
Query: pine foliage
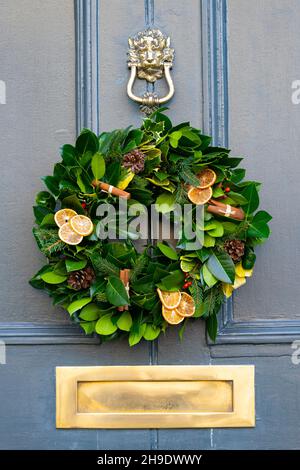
103	266
48	241
138	268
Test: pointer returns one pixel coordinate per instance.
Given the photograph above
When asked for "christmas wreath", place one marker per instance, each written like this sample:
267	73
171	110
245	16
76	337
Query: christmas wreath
111	287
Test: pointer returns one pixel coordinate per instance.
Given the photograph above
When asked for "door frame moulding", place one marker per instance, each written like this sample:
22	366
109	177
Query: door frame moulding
216	123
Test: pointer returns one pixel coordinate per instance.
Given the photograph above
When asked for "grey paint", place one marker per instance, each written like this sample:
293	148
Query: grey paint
27	397
264	125
37	64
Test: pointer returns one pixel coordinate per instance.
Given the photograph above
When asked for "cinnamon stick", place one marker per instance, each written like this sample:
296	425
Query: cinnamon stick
108	188
124	276
226	210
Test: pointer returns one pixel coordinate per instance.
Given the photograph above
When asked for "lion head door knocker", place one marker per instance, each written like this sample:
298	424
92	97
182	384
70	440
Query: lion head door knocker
150	58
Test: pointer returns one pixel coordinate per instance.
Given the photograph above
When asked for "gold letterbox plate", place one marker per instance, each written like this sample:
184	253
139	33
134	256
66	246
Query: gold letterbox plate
155	397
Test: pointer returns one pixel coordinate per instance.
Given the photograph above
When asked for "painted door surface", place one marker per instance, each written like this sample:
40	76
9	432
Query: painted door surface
63	67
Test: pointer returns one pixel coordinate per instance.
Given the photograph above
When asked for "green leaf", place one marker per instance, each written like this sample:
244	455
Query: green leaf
116	292
48	220
88	327
52	184
90	312
98	166
238	198
36	281
172	282
167	251
151	332
208	277
45	199
75	265
222	267
212	327
87	141
78	304
229	227
136	335
262	217
217	231
251	194
209	241
69	155
125	322
72	202
105	326
174	138
258	227
53	278
237	175
40	213
217	192
165	203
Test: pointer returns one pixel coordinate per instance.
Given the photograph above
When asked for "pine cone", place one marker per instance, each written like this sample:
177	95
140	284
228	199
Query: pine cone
235	249
81	279
134	161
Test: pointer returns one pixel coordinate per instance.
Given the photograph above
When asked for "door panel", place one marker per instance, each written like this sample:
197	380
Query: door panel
263	61
38	67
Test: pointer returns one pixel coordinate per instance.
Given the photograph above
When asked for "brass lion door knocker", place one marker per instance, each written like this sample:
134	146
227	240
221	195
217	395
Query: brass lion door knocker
150	58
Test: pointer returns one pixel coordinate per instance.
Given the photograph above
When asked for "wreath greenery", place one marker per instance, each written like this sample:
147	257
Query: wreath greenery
110	287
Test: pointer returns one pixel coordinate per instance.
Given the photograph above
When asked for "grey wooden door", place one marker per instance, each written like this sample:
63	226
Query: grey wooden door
236	65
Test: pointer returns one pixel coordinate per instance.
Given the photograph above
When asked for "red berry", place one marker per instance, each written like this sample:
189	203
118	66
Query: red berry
83	205
185	286
227	189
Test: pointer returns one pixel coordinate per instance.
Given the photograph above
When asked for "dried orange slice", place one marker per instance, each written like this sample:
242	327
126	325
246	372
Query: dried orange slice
82	225
207	178
171	316
67	235
63	216
169	299
186	308
200	196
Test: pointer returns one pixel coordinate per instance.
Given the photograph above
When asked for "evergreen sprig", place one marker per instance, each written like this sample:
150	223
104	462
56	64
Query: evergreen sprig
103	266
48	241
